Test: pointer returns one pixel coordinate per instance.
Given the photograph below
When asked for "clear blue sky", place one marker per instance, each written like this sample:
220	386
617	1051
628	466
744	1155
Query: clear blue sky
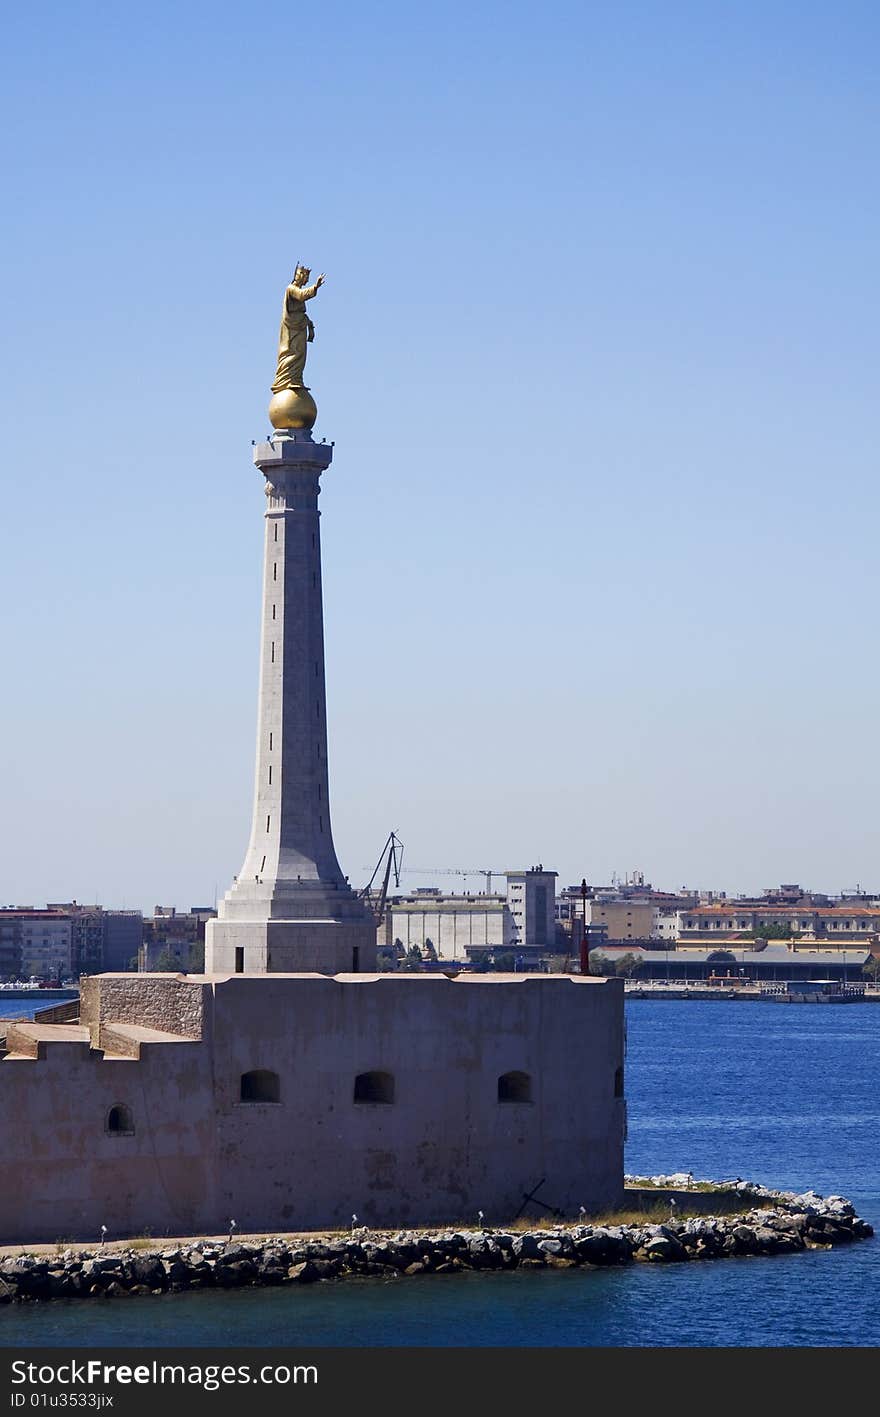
599	351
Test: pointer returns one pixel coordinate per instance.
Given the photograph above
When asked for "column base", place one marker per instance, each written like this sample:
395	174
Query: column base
290	947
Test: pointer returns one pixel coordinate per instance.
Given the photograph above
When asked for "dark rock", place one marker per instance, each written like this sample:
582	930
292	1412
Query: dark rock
457	1243
664	1247
148	1269
232	1276
402	1255
235	1254
177	1274
272	1273
787	1224
602	1248
525	1247
744	1240
275	1258
34	1283
329	1269
375	1254
835	1234
550	1247
769	1241
483	1254
304	1273
11	1268
60	1286
111	1266
316	1250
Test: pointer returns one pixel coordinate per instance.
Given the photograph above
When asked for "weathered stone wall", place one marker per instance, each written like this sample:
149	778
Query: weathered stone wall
172	1003
444	1149
62	1175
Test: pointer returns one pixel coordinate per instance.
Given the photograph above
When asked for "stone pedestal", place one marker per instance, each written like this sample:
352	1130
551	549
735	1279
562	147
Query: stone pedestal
290	908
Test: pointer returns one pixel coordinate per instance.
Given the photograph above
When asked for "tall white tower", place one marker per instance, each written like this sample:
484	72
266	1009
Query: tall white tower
290	908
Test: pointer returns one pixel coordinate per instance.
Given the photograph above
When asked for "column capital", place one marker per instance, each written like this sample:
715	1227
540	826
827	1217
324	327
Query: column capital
295	450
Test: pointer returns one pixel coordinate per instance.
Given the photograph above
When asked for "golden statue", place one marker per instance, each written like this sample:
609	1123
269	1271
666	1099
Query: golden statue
293	405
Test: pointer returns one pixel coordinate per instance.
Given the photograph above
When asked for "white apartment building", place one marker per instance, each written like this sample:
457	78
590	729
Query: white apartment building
531	897
45	945
455	926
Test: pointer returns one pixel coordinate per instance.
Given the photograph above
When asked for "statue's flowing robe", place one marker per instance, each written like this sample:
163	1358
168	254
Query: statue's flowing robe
293	337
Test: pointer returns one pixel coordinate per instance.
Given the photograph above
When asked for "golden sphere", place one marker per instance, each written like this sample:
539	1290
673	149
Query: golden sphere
292	408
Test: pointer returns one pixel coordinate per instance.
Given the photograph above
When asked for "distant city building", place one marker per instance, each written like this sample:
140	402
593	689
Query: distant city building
570	928
37	943
123	932
86	935
636	919
841	922
65	940
175	940
531	899
10	947
101	939
634	912
453	926
470	927
777	961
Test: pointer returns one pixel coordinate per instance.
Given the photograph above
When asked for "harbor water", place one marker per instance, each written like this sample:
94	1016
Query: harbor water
783	1096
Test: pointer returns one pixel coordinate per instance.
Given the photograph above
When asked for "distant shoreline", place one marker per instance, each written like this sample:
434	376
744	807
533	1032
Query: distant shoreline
700	990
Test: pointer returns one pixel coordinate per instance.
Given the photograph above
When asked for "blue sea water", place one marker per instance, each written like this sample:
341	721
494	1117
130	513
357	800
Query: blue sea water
11	1008
22	1008
786	1095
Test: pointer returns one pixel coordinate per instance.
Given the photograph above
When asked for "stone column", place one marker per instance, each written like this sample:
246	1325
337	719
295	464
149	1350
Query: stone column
290	908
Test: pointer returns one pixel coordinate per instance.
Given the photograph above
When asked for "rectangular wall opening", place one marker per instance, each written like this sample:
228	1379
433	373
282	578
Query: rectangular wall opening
239	959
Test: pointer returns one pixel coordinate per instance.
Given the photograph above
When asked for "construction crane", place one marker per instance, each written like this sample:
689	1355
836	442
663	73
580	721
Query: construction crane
455	871
392	855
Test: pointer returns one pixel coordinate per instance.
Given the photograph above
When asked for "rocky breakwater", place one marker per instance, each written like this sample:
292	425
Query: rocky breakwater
784	1224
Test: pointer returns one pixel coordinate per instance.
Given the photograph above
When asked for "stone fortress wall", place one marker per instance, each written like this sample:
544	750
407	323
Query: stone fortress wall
292	1102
